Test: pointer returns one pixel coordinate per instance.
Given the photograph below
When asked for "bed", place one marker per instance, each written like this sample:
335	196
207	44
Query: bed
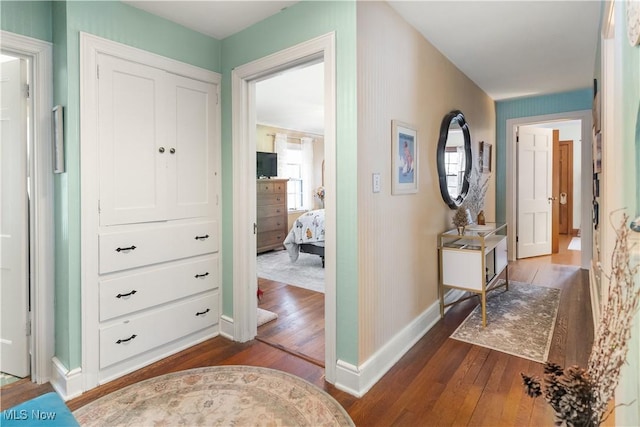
306	235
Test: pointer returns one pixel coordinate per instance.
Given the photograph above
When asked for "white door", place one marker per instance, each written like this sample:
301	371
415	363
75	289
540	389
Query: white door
14	249
191	144
535	166
133	153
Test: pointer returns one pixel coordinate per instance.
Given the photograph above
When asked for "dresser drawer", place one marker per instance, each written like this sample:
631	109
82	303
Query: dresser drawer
136	335
271	187
136	248
271	199
271	210
134	292
270	238
274	223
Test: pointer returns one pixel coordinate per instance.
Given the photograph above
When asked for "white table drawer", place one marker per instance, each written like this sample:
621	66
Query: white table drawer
139	247
136	335
134	292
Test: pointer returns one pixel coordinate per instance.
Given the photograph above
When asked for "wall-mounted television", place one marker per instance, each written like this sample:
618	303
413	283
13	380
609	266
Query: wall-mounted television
266	164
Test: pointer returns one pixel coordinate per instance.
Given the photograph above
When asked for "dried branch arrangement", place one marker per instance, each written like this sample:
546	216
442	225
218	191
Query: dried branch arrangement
580	396
478	186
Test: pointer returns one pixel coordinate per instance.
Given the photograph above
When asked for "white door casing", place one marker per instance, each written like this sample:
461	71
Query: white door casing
14	249
41	236
535	162
243	325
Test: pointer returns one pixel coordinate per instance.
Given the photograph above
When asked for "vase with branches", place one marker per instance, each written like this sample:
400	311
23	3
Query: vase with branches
580	396
478	186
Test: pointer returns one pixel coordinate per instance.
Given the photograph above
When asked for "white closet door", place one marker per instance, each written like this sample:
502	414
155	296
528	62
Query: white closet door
191	132
131	133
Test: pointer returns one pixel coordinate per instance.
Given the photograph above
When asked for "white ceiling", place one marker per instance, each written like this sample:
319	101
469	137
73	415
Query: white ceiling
508	48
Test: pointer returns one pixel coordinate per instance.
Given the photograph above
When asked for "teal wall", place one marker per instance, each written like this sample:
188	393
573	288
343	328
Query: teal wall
28	18
301	22
528	107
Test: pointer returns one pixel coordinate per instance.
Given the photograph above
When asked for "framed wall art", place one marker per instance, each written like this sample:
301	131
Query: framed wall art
404	158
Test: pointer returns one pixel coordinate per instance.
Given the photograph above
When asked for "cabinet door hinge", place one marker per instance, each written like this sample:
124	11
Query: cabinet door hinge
27	90
97	71
29	327
516	239
99	210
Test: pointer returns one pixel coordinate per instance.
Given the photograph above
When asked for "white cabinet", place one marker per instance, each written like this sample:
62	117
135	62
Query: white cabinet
473	262
150	208
157	144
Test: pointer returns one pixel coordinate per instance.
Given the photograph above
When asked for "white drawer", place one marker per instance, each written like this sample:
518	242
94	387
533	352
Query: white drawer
136	248
136	335
134	292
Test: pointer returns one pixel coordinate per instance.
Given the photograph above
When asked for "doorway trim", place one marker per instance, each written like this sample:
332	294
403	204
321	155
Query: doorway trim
41	240
586	190
244	186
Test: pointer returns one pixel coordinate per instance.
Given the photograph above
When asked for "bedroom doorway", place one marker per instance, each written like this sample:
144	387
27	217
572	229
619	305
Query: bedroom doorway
290	139
243	325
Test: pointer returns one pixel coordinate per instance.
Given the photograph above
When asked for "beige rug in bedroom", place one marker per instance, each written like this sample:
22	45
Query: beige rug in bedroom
306	272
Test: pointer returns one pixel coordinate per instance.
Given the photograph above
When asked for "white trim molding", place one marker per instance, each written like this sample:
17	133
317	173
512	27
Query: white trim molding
67	383
321	48
41	205
358	380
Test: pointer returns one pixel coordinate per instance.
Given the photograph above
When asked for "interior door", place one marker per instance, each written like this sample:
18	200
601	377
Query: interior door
535	156
565	195
14	248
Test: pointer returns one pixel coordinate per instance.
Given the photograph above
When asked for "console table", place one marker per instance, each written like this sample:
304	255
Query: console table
473	262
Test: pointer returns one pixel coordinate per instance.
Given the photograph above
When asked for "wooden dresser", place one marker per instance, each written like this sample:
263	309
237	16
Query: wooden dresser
271	213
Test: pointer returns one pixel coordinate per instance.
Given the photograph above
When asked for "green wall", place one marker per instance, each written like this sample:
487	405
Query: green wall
528	107
27	18
301	22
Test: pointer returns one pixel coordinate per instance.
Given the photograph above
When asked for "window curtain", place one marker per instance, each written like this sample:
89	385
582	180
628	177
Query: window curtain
307	171
280	147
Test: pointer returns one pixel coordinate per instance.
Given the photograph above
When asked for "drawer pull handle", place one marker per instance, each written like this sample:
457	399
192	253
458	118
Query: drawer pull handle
130	248
202	313
126	295
206	236
198	276
126	339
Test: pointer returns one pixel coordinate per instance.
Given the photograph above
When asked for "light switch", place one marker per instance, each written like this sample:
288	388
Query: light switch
376	182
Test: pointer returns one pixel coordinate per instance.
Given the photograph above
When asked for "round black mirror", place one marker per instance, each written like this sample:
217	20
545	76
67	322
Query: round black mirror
454	158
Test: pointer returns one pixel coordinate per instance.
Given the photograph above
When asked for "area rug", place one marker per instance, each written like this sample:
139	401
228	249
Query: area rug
520	321
265	316
306	272
217	396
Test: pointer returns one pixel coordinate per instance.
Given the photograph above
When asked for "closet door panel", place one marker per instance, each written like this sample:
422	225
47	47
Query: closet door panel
191	138
132	169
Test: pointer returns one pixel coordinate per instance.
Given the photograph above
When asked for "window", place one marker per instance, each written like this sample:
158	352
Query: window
293	171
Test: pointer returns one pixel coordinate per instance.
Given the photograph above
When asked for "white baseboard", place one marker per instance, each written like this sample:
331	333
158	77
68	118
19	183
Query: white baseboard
226	327
67	383
358	380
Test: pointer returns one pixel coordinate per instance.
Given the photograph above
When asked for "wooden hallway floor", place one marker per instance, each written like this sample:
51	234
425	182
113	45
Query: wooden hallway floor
440	381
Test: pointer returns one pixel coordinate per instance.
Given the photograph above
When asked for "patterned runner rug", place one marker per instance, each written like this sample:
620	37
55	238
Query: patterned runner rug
217	396
520	321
